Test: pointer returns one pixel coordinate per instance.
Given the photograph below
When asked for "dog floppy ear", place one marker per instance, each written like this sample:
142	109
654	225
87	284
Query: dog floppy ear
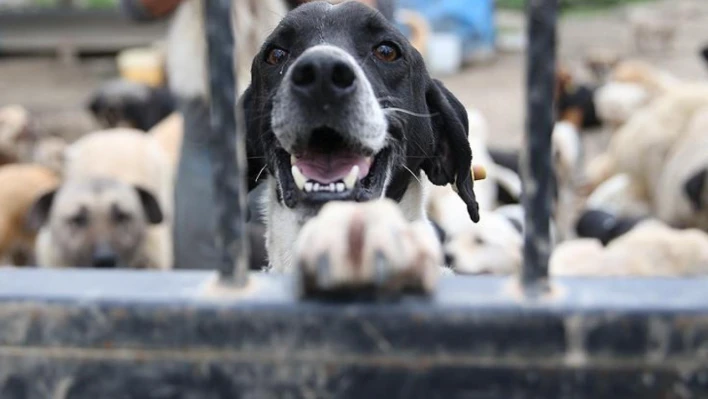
451	162
39	211
152	208
695	188
254	147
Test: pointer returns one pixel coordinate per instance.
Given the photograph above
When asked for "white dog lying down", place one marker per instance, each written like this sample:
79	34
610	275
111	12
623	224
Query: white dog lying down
650	249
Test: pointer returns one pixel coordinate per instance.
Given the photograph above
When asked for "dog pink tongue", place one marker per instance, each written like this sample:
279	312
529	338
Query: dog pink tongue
330	168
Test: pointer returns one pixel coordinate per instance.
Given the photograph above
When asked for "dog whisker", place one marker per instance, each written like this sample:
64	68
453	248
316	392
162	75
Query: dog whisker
260	173
404	111
412	174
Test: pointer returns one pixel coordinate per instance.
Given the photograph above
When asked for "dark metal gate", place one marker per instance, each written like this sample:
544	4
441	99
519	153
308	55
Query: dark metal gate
122	334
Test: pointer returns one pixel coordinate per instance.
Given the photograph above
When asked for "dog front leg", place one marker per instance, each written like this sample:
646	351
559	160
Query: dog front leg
367	248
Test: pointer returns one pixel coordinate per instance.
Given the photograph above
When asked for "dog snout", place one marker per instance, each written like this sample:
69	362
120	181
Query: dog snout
104	257
323	77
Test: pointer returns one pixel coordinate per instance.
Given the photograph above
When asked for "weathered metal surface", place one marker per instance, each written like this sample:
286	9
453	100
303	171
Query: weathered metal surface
536	170
75	334
229	149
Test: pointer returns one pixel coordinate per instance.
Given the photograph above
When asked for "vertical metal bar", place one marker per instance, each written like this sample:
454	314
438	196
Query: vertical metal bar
536	158
228	151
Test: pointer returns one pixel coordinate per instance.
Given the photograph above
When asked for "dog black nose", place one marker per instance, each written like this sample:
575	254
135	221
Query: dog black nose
104	257
323	77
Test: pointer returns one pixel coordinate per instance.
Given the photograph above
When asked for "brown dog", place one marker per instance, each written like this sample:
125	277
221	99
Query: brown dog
20	186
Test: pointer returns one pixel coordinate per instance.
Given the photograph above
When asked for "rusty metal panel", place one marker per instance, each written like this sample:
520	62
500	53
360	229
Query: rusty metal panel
180	335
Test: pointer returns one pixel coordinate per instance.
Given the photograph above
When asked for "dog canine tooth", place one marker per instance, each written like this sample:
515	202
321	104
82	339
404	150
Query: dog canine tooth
352	177
293	159
299	178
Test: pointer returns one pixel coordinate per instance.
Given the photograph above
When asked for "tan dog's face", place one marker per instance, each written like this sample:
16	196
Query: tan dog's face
98	223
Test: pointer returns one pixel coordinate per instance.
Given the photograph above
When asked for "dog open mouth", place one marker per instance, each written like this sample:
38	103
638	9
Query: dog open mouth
331	168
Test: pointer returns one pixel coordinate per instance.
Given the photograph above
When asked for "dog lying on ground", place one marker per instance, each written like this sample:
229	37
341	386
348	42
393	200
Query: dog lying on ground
347	112
651	248
122	103
575	102
116	202
20	186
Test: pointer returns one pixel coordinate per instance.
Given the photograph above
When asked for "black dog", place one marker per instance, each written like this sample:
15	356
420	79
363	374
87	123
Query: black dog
341	107
125	103
604	226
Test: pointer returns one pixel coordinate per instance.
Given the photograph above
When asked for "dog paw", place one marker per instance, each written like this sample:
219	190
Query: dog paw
353	248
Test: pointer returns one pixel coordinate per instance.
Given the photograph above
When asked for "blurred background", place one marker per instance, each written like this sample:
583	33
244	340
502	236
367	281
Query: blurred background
60	61
54	53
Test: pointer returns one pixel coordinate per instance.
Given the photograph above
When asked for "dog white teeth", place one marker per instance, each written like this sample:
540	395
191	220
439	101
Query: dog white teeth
293	159
308	187
352	177
300	179
340	187
316	187
331	187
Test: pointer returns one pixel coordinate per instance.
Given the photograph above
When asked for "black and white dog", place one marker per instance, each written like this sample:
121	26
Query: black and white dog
341	109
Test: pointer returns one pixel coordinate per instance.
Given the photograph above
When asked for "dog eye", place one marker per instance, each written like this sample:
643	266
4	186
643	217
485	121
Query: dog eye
78	221
387	52
276	56
119	216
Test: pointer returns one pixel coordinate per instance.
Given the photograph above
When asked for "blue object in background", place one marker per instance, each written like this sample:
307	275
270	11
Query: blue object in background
472	20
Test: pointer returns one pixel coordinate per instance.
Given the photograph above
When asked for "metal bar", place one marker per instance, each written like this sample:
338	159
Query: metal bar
228	152
84	334
536	158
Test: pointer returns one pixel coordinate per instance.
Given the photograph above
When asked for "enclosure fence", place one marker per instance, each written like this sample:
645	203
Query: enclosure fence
86	334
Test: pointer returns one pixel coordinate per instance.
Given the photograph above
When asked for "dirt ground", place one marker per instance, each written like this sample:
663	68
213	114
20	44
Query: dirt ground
59	91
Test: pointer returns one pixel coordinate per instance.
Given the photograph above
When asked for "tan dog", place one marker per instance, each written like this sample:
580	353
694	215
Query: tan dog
681	196
20	186
14	125
641	147
129	158
96	222
169	134
650	249
631	86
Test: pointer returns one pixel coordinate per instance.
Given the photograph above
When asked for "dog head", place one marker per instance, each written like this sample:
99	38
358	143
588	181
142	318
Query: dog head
122	103
14	127
99	222
341	107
